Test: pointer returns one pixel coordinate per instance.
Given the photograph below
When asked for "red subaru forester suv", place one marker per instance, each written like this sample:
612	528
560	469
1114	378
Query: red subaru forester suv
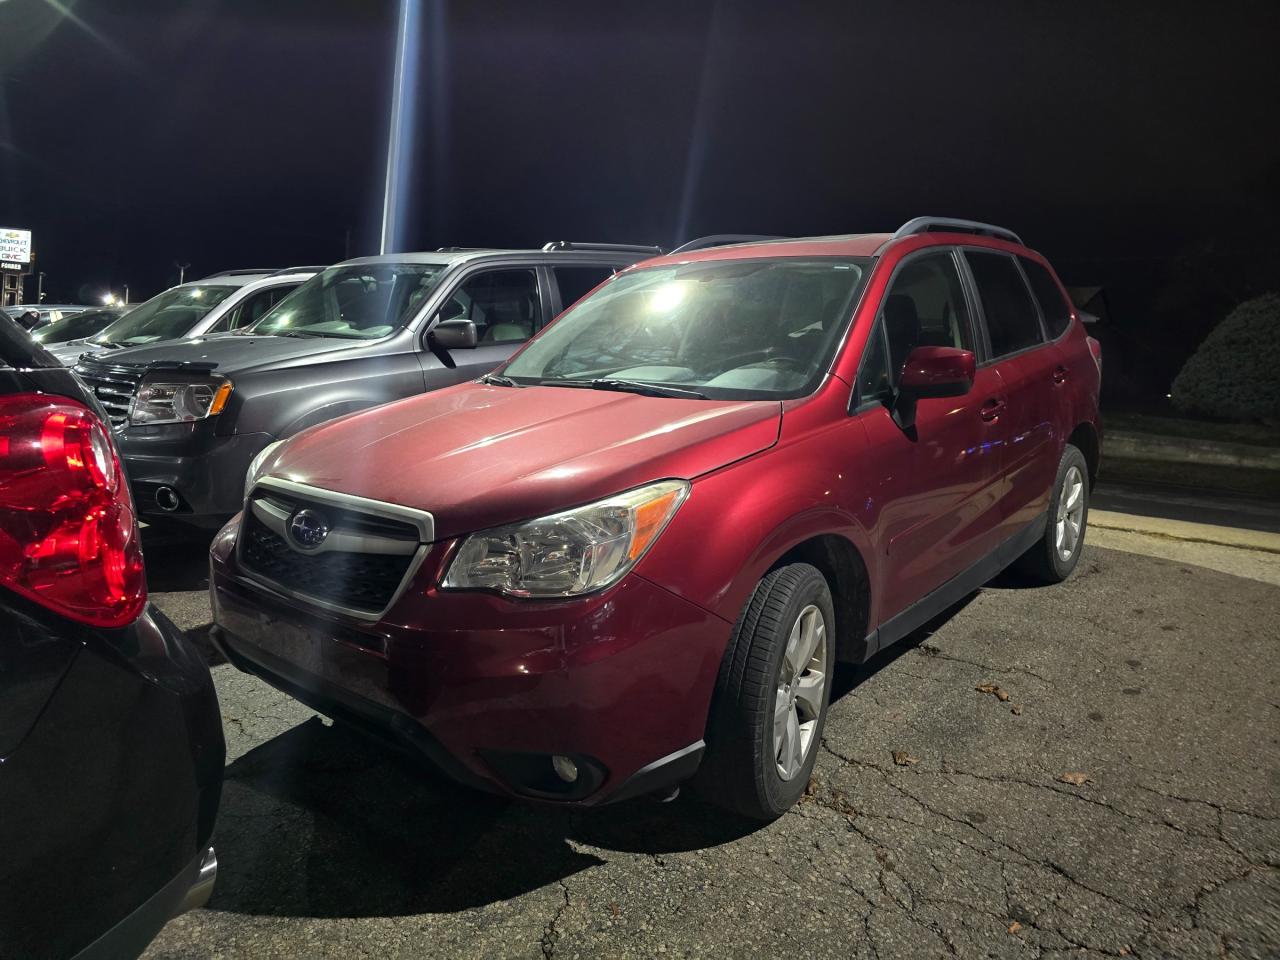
632	555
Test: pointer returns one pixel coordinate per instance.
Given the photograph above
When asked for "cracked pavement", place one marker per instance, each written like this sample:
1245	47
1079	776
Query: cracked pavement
1154	679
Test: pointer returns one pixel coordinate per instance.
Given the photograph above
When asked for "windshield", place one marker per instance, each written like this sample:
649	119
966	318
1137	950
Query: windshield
168	316
76	326
363	302
740	329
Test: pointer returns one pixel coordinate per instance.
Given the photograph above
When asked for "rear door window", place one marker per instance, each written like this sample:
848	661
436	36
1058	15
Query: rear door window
1053	305
1013	323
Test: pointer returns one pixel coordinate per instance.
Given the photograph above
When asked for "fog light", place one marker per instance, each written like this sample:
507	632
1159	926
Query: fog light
565	768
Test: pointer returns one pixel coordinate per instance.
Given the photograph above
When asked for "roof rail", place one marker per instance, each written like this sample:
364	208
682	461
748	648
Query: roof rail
252	271
723	240
948	225
461	249
602	247
310	269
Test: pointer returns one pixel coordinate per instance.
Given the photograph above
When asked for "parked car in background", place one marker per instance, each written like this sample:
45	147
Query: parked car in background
111	747
633	553
191	416
45	313
79	326
218	303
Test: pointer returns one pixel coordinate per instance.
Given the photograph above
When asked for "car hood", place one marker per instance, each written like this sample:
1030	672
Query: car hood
476	456
68	353
231	354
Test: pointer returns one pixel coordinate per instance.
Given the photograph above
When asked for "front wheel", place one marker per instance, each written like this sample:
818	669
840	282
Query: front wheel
1055	555
771	696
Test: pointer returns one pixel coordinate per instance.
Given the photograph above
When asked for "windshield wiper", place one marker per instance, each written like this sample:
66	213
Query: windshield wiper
498	380
108	344
296	334
630	386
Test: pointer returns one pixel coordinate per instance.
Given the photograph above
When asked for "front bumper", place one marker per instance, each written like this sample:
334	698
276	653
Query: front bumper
204	471
489	689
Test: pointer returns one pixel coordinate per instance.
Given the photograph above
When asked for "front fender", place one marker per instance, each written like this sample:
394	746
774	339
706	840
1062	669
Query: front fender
739	521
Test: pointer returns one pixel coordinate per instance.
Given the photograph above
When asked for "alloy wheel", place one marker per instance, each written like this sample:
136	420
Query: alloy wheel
1070	513
802	684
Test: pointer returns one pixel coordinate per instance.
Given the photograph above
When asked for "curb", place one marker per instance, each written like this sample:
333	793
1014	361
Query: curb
1124	445
1186	531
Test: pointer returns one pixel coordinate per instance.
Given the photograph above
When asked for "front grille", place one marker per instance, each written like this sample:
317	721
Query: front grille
356	522
360	581
114	387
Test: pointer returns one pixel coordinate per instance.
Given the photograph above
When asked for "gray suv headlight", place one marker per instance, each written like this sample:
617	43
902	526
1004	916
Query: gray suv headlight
571	553
171	402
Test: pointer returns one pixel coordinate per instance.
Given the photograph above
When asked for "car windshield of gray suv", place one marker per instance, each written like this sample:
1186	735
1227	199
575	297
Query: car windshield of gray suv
362	302
740	329
168	316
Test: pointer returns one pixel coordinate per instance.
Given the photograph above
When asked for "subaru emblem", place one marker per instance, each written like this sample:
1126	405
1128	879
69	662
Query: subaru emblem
308	528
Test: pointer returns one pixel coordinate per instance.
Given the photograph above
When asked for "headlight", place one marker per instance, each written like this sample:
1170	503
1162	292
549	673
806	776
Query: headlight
255	466
571	553
179	402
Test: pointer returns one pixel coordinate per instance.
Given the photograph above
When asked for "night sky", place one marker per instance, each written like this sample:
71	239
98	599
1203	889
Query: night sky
1112	137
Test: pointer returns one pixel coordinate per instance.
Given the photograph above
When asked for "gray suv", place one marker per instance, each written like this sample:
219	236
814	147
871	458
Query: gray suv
190	416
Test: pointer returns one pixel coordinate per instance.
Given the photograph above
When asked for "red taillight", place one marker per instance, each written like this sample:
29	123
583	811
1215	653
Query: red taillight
68	534
1095	348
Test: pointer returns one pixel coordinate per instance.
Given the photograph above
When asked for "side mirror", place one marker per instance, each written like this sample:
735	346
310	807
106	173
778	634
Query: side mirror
454	335
929	373
932	372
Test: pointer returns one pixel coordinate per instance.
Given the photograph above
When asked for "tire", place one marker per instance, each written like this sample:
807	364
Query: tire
741	770
1048	560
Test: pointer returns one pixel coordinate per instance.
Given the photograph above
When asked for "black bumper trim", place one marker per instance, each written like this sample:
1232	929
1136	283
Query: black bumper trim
669	771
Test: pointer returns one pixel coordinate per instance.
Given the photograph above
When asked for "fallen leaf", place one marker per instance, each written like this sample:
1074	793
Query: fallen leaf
615	910
997	691
1016	709
1075	779
1015	927
811	787
904	759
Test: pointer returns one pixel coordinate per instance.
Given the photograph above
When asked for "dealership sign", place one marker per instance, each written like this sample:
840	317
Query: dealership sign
15	250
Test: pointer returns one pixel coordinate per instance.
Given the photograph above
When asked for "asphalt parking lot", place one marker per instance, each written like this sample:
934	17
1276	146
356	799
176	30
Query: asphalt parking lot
1124	800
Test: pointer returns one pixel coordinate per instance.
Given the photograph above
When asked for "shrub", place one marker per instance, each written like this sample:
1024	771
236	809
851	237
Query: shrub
1235	373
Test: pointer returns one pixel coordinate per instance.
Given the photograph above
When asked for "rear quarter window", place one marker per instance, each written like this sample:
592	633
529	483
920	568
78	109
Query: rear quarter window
1053	306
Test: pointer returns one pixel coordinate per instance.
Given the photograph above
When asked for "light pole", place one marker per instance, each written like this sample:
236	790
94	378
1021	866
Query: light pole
126	293
400	138
40	287
182	271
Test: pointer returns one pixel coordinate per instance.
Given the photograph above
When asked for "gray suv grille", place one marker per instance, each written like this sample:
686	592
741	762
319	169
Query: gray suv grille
114	387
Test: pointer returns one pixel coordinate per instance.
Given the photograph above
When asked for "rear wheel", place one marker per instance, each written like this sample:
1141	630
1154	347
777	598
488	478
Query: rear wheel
1055	555
771	696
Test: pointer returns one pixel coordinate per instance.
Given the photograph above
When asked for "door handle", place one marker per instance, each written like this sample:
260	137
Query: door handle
1059	374
992	409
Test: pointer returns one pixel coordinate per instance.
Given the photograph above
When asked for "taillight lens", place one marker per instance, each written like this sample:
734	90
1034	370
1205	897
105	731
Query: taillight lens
68	533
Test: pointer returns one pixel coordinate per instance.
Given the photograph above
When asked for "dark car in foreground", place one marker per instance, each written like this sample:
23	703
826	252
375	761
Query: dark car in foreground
633	554
111	746
191	416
